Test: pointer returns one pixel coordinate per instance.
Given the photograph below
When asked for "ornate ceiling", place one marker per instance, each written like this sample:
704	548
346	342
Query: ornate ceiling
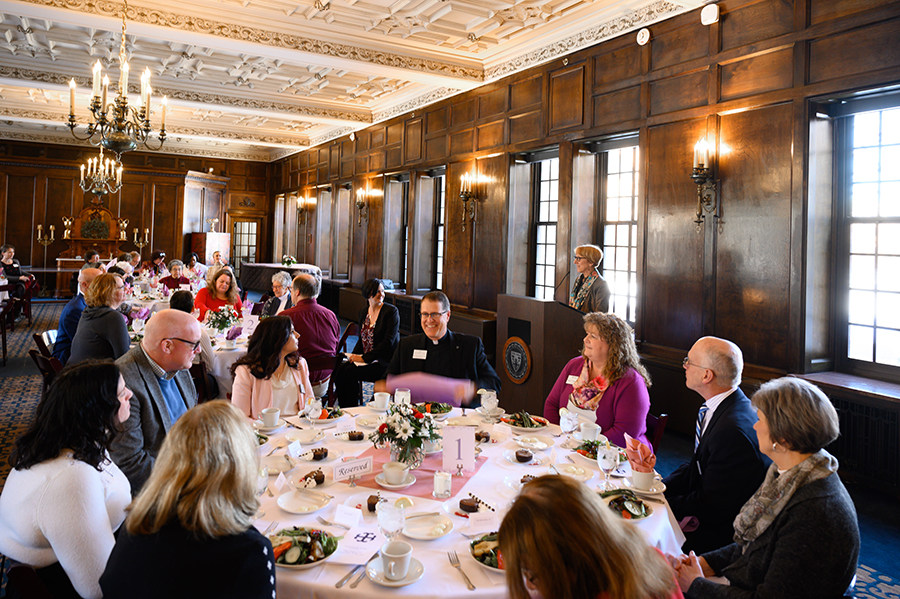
261	79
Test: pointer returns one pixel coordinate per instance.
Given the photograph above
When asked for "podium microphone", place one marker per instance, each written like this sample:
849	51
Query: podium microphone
563	280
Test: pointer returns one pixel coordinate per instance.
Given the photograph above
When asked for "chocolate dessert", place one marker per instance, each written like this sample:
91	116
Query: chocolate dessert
320	453
523	455
355	436
482	436
527	478
317	476
372	503
468	505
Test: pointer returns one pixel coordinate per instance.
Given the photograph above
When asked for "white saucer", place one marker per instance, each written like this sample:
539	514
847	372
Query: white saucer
451	508
258	425
658	488
375	572
536	460
367	422
577	435
297	502
463	421
276	464
422	527
322	424
303	437
410	480
371	406
575	471
533	442
333	454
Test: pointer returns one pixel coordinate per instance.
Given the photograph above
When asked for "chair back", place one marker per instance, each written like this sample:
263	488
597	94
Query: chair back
258	306
5	311
26	582
655	428
351	330
44	342
198	373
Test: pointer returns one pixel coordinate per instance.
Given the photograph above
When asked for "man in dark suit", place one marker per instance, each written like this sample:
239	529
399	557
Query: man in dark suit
727	467
71	314
156	372
441	352
281	295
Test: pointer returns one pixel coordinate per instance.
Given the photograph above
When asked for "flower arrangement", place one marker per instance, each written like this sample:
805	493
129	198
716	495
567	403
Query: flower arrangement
223	318
288	260
406	429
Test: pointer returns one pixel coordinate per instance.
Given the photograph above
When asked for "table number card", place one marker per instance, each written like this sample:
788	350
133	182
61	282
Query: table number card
350	468
459	448
294	449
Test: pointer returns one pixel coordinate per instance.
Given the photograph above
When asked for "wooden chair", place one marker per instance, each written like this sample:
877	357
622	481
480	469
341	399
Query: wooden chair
325	363
26	582
351	330
258	306
5	311
198	373
45	341
655	428
49	368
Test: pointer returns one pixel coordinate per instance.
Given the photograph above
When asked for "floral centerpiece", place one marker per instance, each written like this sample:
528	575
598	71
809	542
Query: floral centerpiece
288	260
223	318
405	429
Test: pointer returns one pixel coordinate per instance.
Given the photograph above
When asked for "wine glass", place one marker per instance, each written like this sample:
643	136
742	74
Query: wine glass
607	459
568	422
390	519
137	325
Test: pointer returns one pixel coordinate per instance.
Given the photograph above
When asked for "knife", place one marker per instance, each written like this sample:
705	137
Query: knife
362	574
350	574
422	515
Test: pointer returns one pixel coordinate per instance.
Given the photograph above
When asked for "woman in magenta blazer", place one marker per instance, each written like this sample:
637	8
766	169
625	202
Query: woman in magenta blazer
271	375
606	382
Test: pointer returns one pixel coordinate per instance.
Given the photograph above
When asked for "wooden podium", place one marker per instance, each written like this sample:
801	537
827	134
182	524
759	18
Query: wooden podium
535	340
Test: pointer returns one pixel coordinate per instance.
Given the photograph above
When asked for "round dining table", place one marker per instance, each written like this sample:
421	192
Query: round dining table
494	481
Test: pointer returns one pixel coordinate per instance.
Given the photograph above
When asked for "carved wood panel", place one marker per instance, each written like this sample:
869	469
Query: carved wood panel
527	92
436	120
412	148
491	135
679	93
567	97
679	45
526	126
757	74
756	22
489	235
624	63
617	107
493	103
872	48
458	244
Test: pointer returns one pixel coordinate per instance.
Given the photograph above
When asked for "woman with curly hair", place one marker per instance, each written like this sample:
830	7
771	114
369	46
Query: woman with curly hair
271	375
64	497
560	538
606	384
221	290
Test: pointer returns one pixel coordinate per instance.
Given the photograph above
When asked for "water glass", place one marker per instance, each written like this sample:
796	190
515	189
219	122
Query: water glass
390	519
568	422
489	403
262	481
607	459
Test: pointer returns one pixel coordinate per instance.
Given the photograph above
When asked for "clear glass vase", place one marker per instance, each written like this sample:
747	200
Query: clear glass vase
409	455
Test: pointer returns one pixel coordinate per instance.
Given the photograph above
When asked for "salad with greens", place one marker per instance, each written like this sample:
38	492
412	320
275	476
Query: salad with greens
525	420
298	546
486	550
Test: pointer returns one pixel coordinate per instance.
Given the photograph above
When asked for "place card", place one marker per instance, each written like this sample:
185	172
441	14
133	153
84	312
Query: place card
280	481
353	468
502	430
345	427
294	449
459	448
484	522
346	515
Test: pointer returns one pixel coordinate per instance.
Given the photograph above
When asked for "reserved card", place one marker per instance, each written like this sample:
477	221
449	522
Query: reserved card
294	449
484	522
459	448
353	468
346	515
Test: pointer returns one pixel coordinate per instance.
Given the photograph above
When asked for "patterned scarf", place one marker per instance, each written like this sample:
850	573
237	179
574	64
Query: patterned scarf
775	492
581	289
587	393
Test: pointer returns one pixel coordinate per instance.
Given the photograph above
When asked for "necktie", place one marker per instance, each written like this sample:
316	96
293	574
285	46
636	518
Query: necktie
701	415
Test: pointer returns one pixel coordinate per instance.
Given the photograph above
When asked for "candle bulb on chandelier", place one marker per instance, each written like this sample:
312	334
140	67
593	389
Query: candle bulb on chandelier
123	79
40	229
71	97
162	124
96	83
135	236
119	176
105	89
82	173
52	233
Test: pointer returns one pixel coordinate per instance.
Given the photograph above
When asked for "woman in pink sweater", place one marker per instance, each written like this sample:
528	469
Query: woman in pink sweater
271	375
606	384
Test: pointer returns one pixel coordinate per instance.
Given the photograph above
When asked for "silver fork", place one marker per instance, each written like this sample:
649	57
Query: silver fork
329	523
270	528
454	561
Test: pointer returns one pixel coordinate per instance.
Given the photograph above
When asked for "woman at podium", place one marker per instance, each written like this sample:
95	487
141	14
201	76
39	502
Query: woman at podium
590	292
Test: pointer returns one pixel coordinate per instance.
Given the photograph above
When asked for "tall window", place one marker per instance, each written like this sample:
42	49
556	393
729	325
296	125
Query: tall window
440	188
404	246
619	195
868	151
546	186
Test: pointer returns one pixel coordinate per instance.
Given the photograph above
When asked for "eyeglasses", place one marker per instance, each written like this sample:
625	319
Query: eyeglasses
434	315
577	258
687	362
194	344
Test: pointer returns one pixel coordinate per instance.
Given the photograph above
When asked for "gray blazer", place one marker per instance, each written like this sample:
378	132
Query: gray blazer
135	447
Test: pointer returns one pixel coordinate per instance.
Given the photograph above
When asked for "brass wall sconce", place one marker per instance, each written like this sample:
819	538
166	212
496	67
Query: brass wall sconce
302	209
468	197
362	206
43	238
141	243
123	228
67	226
702	174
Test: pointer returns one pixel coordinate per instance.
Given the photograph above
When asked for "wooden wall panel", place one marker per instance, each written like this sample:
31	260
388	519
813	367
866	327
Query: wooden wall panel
678	93
334	162
752	269
362	164
489	234
616	107
462	113
672	291
491	135
167	225
758	74
377	139
458	243
374	228
680	45
526	126
462	142
394	133
436	120
624	63
59	201
393	157
567	97
527	92
756	22
324	153
436	148
412	148
21	227
873	48
376	161
493	103
827	10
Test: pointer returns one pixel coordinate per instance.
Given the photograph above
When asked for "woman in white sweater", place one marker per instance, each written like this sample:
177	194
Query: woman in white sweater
64	497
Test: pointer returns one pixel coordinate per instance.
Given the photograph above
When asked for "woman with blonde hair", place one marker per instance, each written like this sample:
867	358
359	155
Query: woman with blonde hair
590	293
561	539
189	533
221	290
607	383
102	332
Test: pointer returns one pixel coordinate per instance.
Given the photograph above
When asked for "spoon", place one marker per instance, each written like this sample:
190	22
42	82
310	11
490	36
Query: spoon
278	445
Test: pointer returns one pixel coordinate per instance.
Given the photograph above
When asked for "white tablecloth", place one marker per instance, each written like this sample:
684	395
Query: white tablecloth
440	579
221	366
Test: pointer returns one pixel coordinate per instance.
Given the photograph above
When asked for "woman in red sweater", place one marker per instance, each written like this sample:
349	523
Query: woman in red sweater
221	290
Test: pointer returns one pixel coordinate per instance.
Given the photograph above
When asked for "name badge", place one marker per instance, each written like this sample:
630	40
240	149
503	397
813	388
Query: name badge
420	354
571	379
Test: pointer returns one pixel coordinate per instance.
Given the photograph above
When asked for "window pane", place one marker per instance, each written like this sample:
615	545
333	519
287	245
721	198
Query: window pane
862	307
890	159
859	343
609	234
888	273
865	129
610	258
889	239
554	217
551	235
625	208
887	346
612	187
865	200
888	310
890	126
627	158
865	164
862	272
862	238
890	199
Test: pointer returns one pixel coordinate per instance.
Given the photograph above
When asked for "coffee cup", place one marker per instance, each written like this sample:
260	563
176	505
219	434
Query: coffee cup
590	431
269	417
395	557
381	400
395	473
643	481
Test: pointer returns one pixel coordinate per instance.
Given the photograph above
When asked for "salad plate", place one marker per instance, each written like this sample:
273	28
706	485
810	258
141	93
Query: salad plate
258	425
410	480
533	442
627	505
367	422
327	543
486	560
524	423
536	460
463	421
360	500
438	410
276	464
297	502
427	528
333	454
575	471
375	572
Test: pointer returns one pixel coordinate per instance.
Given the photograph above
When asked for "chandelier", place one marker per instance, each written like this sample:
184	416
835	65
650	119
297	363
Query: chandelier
101	177
121	128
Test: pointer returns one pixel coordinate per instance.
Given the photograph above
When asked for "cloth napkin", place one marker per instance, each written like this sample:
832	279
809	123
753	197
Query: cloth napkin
639	455
233	333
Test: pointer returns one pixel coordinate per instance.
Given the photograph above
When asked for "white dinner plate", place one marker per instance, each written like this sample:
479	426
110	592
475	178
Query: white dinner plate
324	423
298	502
375	572
423	528
658	487
258	425
513	481
360	500
276	464
485	566
533	442
646	503
296	477
463	421
529	431
451	508
346	437
305	436
333	454
575	471
410	480
536	460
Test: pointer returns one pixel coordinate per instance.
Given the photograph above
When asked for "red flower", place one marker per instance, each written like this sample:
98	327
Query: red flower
418	414
383	428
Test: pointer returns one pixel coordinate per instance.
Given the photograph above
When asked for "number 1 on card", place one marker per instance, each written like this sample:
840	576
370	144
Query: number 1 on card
464	439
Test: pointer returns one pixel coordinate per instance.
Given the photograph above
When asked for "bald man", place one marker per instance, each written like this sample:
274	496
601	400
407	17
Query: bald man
71	314
727	467
156	372
318	327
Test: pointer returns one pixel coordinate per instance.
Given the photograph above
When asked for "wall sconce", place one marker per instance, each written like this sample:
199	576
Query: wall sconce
361	206
702	175
468	197
302	209
67	226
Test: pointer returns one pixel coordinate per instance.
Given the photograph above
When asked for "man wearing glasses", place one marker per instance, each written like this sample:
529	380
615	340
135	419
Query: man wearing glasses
156	371
727	467
441	353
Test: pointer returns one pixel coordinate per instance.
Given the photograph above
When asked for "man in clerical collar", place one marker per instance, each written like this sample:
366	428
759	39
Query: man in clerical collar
156	372
447	357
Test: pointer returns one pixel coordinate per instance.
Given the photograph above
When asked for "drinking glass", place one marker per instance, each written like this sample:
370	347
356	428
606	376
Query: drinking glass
489	403
390	519
607	459
137	325
568	422
262	481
